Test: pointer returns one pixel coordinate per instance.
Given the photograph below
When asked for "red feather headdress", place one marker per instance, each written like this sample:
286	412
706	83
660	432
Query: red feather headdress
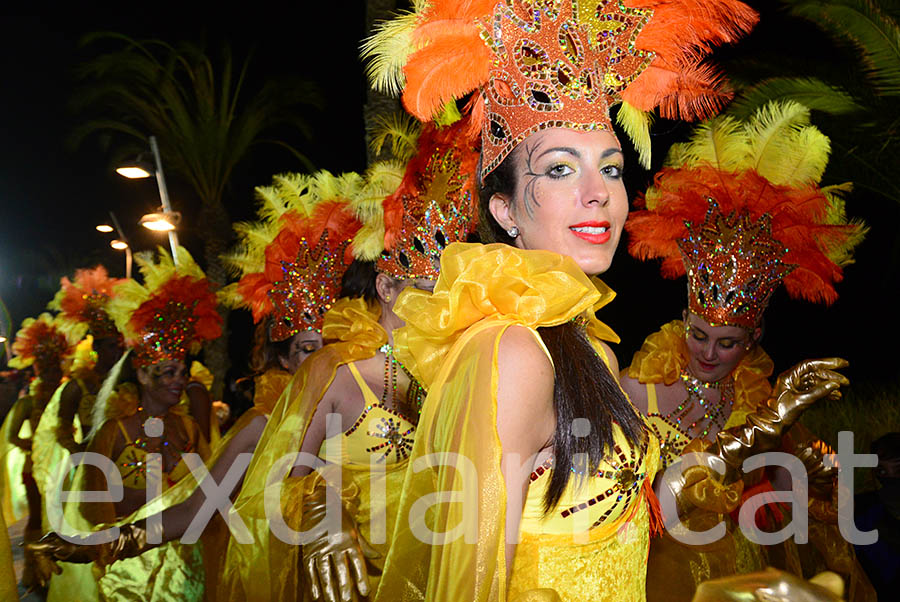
41	342
172	314
739	209
82	303
293	260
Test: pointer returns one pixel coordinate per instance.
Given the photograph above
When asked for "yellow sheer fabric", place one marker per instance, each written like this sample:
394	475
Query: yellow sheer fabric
450	344
13	504
8	589
157	574
268	569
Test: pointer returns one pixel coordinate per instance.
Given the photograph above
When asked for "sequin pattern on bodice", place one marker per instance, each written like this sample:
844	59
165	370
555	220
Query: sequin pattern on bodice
381	434
132	462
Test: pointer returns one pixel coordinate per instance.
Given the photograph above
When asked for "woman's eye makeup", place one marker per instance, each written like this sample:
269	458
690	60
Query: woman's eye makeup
308	348
613	170
559	170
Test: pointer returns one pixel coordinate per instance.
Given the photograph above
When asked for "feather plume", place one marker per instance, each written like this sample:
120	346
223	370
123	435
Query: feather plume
402	130
636	124
770	165
387	50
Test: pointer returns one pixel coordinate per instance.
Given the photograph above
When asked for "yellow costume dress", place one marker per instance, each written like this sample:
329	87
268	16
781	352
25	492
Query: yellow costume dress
593	544
269	569
168	572
676	569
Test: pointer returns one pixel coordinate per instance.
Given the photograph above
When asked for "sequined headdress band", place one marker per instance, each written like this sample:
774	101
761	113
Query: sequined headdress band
557	63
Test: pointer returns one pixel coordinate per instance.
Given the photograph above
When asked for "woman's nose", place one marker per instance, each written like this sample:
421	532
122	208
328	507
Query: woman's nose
709	350
596	189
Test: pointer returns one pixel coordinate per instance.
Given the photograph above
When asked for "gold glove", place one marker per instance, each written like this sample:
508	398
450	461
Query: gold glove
770	585
821	478
335	562
51	548
795	390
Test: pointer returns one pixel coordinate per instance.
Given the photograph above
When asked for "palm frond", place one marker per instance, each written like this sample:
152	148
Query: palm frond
872	30
808	91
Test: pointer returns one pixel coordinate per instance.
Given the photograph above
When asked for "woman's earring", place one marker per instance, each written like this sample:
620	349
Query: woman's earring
387	299
513	232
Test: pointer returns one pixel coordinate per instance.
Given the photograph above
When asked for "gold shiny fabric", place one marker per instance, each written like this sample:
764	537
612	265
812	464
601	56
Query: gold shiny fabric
450	344
269	569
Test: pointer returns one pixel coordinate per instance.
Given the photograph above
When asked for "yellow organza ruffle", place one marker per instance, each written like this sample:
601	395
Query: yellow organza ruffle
451	340
664	355
268	569
531	288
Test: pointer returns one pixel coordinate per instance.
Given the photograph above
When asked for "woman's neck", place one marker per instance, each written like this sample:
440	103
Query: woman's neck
153	407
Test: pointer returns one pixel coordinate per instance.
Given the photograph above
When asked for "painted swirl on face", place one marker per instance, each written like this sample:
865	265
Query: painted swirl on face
531	179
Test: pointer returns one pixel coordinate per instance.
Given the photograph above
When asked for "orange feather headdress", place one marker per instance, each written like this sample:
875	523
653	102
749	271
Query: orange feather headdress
42	342
739	209
293	259
172	314
82	302
557	63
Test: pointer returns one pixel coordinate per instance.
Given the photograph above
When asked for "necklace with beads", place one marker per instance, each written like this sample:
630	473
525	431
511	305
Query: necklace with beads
415	393
714	414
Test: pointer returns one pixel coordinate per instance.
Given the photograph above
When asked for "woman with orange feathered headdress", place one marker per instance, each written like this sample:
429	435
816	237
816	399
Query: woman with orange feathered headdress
739	210
515	362
143	431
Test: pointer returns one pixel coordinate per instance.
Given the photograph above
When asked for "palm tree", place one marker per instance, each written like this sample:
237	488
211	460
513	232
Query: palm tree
204	120
861	95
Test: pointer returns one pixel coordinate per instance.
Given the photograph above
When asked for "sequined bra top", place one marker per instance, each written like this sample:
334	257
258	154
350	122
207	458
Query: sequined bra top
132	463
379	432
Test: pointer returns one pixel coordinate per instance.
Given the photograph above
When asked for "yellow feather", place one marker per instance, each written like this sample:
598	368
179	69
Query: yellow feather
387	51
718	142
403	131
771	133
636	124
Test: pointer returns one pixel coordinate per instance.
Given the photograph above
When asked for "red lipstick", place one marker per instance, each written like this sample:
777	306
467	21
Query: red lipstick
593	232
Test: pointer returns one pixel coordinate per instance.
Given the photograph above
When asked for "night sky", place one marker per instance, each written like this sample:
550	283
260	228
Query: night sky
51	195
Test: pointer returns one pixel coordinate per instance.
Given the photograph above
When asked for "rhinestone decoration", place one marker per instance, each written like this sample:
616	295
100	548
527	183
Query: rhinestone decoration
557	65
308	288
397	441
438	215
733	266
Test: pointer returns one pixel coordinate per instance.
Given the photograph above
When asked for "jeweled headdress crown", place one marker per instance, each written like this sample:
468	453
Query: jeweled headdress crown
557	63
82	302
739	209
172	314
42	342
434	205
293	259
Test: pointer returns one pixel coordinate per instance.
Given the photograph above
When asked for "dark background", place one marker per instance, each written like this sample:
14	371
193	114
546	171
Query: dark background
51	195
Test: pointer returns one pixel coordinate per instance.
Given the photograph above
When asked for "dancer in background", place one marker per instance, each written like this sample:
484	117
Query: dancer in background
44	345
739	209
356	377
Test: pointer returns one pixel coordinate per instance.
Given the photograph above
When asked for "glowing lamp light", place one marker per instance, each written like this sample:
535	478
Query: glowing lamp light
133	172
161	222
104	228
2	339
119	245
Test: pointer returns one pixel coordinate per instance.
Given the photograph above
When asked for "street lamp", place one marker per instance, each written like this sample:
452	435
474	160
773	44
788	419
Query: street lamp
105	228
161	221
138	169
120	243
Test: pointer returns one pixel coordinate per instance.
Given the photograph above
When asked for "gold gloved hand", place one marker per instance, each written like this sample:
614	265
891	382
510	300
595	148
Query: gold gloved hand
770	585
795	390
821	478
335	562
51	548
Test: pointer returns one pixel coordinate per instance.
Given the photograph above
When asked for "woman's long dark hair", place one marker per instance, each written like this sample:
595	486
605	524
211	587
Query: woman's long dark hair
359	281
583	386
